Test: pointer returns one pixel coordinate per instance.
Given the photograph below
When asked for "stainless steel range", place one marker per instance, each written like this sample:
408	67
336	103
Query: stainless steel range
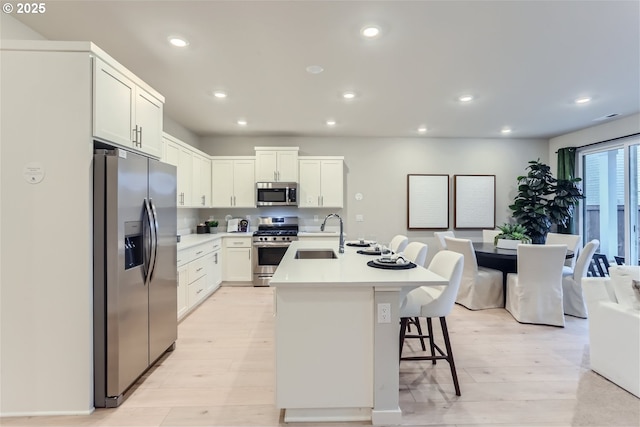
270	242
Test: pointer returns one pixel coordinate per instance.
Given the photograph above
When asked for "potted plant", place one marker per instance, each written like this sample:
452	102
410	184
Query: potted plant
543	200
511	235
213	226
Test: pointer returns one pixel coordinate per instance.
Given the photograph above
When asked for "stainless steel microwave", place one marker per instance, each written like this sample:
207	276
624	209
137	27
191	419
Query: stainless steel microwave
276	194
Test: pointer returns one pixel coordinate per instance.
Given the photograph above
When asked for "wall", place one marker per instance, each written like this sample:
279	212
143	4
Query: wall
12	29
46	363
378	168
175	129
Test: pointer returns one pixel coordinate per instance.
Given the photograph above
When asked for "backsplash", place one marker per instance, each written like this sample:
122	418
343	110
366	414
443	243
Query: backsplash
187	220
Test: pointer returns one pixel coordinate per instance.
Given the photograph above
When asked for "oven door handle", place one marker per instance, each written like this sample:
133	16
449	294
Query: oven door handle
271	245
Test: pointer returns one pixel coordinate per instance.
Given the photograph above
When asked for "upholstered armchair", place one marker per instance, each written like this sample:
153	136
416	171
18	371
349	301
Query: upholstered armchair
614	326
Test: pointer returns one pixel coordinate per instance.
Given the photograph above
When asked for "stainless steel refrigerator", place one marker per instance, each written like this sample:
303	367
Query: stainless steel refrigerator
135	278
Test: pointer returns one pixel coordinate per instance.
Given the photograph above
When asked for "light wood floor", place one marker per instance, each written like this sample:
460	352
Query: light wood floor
221	374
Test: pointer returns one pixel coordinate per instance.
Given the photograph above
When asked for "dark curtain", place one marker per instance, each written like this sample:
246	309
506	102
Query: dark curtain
567	170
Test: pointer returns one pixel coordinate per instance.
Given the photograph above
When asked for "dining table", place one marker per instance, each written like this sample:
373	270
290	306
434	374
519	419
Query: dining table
505	260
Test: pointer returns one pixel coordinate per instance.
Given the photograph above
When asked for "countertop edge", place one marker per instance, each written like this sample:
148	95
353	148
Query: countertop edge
191	240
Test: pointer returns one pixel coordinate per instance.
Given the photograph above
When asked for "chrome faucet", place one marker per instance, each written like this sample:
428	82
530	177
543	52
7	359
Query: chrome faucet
341	247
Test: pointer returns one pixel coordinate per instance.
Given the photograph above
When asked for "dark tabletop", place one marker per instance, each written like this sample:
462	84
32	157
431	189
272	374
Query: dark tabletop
508	254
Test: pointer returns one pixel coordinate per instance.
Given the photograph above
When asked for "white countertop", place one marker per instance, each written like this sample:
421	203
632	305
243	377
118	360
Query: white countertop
319	234
191	240
349	268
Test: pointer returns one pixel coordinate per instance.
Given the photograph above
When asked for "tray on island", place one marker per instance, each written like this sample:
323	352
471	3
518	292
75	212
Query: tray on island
359	244
369	252
377	263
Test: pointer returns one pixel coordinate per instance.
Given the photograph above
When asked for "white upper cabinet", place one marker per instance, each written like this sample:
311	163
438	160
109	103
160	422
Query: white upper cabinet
125	113
181	155
233	182
201	181
321	182
149	122
276	164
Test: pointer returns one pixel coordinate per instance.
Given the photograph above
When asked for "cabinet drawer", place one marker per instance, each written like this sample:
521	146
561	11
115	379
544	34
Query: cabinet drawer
197	269
237	242
196	291
214	246
185	256
201	250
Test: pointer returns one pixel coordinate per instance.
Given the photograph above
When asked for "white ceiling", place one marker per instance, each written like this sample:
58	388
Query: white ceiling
524	61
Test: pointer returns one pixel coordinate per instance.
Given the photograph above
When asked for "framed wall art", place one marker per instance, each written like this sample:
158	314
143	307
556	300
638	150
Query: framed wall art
427	202
474	201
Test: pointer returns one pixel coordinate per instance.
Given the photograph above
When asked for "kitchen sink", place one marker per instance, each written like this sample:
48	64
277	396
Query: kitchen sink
315	254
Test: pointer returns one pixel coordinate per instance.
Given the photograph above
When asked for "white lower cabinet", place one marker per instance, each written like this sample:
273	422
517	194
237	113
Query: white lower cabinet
183	283
237	259
214	274
199	274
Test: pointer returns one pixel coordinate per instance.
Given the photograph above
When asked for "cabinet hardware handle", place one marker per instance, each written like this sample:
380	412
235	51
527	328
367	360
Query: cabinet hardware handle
238	243
215	256
202	200
140	140
135	135
275	177
234	200
199	290
198	253
199	269
230	200
322	200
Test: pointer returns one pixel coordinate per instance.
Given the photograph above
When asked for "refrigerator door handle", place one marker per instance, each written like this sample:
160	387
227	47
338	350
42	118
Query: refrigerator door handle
147	236
154	229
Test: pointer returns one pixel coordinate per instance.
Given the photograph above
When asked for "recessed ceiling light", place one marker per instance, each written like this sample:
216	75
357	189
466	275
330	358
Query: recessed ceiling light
370	31
349	95
178	41
330	122
422	129
241	122
465	98
607	117
219	94
506	130
583	100
314	69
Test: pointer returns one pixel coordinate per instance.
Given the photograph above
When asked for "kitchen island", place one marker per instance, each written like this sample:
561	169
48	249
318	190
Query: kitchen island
337	331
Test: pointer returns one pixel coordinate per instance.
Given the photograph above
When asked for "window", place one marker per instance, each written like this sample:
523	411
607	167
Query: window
610	211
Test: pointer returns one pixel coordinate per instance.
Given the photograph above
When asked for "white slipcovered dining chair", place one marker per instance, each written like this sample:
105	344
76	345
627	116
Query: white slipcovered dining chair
574	303
573	244
480	287
440	235
534	294
488	236
398	243
416	252
430	302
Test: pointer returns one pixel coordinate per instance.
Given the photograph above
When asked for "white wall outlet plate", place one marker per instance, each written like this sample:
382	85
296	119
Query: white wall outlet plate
384	313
